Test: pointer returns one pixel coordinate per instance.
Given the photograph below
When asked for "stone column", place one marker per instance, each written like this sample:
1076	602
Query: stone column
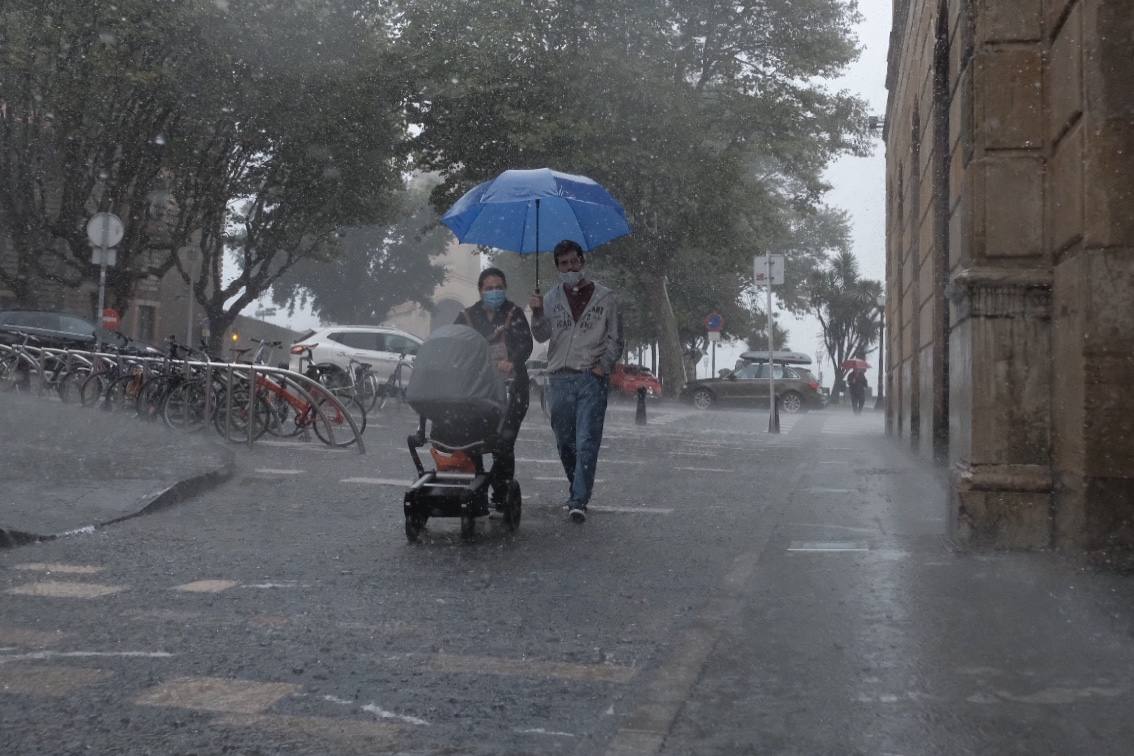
1090	233
1000	284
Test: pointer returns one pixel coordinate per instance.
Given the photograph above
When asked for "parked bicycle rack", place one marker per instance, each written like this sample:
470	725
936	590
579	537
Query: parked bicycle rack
232	374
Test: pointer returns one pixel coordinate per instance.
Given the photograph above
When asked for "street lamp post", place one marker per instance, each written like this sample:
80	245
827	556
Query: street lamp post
880	402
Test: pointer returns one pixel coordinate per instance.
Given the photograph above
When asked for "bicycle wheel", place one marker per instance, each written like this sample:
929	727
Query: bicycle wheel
121	394
241	417
331	415
152	396
184	406
391	391
92	388
71	382
369	389
283	421
15	372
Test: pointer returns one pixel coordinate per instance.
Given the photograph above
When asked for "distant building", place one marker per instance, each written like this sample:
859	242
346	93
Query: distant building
1010	263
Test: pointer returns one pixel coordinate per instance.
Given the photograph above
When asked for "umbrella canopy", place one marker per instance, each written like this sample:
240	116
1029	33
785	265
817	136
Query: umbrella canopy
530	211
855	364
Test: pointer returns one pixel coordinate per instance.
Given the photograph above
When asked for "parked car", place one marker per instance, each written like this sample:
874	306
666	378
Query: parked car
57	330
796	388
376	346
627	379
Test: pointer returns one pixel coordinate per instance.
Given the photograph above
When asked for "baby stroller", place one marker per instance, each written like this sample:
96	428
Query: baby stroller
461	401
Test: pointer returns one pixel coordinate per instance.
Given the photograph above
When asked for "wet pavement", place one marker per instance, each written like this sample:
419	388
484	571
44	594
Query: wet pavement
65	468
732	592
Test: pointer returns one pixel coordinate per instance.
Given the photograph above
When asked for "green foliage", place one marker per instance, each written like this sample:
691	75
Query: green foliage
379	268
847	308
702	117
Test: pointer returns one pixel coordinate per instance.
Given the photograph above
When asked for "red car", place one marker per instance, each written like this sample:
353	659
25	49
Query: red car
627	379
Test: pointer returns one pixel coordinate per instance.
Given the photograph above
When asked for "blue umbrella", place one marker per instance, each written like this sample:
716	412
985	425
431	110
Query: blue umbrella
530	211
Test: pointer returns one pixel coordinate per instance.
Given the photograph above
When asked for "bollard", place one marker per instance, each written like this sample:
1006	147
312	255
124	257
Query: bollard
774	416
640	412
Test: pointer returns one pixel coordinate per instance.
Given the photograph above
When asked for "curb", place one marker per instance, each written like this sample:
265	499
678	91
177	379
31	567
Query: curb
173	494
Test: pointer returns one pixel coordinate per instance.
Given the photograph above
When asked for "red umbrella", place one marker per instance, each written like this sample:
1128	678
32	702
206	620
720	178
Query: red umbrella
855	364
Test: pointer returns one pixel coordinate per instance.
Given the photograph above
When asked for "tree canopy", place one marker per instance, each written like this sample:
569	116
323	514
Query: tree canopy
707	120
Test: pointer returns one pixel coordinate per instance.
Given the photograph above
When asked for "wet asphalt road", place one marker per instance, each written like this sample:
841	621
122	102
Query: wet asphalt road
741	593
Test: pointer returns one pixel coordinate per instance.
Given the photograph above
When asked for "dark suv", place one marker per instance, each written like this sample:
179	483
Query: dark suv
796	388
58	330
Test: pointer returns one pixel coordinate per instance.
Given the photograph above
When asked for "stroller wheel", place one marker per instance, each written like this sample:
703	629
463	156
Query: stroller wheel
414	525
513	503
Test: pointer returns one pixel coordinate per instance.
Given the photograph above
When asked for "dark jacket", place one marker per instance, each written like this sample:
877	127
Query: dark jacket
509	323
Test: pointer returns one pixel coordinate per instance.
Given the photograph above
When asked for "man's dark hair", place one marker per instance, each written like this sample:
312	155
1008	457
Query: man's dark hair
564	247
491	272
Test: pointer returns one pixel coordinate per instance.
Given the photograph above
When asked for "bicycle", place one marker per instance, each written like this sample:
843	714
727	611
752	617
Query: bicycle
287	413
394	388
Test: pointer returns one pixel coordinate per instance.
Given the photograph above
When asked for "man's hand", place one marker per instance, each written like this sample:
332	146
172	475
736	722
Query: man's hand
536	302
599	371
504	366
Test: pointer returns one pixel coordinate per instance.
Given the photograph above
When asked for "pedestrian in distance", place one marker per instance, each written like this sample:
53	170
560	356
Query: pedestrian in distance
857	384
580	319
503	323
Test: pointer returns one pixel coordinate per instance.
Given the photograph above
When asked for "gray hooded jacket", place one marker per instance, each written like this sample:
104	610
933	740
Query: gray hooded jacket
594	341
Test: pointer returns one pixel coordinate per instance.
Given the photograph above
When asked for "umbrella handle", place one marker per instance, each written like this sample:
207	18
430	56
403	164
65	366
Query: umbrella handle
537	245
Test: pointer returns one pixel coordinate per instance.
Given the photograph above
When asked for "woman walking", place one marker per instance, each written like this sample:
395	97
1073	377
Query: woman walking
509	336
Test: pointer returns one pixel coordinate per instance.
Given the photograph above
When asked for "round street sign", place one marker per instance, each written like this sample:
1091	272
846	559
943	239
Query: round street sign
714	322
105	230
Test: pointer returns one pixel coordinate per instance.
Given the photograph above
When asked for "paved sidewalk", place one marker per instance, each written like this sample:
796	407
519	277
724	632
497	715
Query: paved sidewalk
64	467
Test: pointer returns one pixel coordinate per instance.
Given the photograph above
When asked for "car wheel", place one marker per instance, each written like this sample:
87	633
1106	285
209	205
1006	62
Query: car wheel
791	402
703	399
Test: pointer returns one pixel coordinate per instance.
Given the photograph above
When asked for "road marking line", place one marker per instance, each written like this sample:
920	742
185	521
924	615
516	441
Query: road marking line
28	638
47	680
531	668
828	546
285	584
379	481
541	731
274	471
217	694
705	469
819	489
206	586
39	655
69	569
351	733
631	510
52	589
829	525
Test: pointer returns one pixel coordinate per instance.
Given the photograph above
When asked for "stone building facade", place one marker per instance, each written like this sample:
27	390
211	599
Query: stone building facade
1010	263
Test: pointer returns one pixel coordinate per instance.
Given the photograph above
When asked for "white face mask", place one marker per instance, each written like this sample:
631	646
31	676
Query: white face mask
571	277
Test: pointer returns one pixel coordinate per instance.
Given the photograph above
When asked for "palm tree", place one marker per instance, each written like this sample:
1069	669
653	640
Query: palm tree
846	306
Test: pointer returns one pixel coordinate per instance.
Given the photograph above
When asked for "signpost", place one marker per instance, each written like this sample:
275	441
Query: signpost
104	232
110	319
768	272
713	325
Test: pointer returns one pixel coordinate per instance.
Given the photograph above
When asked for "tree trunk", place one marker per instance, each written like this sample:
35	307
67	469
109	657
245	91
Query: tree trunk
671	363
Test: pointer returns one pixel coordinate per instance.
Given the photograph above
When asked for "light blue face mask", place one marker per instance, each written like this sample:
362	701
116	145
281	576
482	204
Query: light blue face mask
494	298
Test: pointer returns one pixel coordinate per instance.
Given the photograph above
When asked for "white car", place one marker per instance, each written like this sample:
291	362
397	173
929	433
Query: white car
374	345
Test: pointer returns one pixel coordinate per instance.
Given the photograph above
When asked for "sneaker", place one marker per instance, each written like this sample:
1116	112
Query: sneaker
578	514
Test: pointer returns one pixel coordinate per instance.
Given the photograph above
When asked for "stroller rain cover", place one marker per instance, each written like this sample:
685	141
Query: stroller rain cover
455	385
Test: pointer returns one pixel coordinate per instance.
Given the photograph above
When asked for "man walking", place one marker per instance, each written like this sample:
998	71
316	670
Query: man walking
580	317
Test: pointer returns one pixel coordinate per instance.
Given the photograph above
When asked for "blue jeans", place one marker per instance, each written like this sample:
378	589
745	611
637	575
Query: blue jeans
578	409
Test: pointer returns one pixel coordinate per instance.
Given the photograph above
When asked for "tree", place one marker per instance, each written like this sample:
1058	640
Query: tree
84	102
292	131
380	267
704	119
847	308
